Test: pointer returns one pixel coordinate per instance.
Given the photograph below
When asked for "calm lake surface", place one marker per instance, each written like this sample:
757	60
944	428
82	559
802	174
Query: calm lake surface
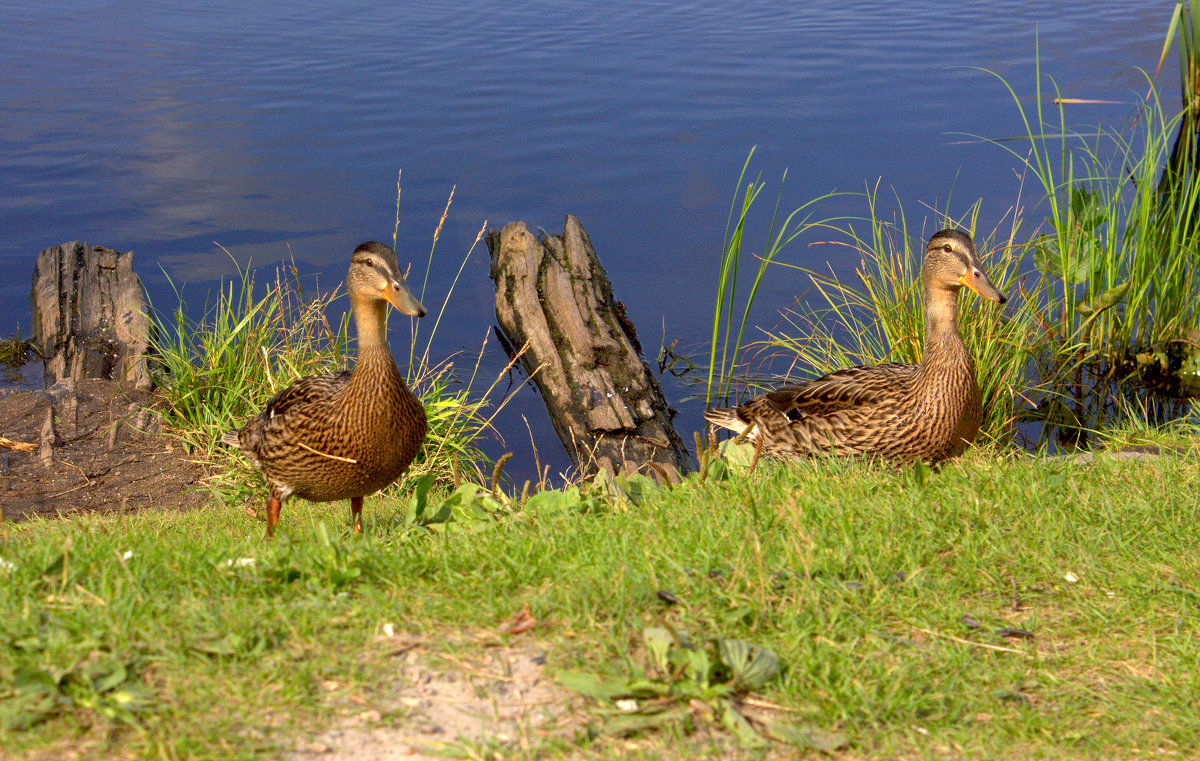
278	132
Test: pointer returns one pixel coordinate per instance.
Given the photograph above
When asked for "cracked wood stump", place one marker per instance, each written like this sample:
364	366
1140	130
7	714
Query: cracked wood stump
608	410
89	315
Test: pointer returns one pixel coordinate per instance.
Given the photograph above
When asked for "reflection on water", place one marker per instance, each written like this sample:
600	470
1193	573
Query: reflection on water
170	130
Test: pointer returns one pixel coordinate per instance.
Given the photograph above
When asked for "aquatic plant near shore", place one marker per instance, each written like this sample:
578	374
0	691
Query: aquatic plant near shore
728	331
1118	261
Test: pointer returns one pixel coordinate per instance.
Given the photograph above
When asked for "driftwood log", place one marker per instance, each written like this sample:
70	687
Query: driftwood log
89	315
553	296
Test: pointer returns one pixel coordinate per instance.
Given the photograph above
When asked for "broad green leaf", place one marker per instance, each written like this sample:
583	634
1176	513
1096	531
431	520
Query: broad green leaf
34	681
1046	258
658	644
817	739
1087	208
593	685
752	666
740	728
641	721
1106	300
638	488
419	500
231	643
738	454
469	503
920	473
699	666
553	501
107	674
646	688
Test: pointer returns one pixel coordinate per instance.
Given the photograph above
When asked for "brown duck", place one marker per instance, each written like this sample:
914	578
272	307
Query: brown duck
900	412
346	434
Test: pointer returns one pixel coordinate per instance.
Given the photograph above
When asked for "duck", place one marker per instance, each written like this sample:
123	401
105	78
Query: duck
898	412
343	435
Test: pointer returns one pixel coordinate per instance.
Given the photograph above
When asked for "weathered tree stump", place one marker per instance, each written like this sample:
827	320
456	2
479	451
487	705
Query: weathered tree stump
89	315
608	410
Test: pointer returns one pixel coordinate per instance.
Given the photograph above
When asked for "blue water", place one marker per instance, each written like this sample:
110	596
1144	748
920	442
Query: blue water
168	129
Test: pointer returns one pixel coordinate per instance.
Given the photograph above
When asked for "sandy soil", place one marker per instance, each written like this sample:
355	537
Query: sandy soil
501	700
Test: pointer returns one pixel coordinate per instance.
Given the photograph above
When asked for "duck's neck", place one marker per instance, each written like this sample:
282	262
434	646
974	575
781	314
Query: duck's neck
370	319
941	325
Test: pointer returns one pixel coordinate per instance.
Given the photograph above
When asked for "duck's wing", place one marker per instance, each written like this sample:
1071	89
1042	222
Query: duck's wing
301	401
854	387
306	393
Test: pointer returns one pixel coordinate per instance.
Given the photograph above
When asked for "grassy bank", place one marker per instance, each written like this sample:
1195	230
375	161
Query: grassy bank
881	591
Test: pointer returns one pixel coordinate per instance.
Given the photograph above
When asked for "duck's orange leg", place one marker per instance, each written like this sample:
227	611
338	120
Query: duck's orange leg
356	513
273	506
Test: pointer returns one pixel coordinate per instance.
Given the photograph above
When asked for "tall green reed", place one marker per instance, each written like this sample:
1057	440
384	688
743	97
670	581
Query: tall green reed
729	327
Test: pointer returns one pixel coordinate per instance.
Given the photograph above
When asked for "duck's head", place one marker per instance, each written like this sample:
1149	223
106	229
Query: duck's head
951	263
375	275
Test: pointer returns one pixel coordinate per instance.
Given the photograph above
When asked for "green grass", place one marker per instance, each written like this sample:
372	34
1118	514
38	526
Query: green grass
857	577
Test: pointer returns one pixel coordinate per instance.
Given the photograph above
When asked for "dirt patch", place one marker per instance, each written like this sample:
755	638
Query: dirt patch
108	458
501	699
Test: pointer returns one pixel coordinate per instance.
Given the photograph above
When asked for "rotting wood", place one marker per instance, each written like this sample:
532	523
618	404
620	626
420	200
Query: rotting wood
48	437
606	406
89	315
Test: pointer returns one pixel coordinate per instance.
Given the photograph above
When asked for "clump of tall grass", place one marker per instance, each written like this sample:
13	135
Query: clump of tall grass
14	353
220	369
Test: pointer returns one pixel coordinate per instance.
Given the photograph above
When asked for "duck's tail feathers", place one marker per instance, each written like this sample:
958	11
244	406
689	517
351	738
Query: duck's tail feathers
232	439
727	417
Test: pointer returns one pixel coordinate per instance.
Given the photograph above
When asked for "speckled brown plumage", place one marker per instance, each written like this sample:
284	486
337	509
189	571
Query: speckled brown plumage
348	434
900	412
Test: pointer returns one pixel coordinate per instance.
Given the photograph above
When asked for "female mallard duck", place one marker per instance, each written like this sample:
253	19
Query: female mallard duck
347	434
899	412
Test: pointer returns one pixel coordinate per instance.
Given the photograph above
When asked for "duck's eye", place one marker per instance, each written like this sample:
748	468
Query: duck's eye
369	262
947	248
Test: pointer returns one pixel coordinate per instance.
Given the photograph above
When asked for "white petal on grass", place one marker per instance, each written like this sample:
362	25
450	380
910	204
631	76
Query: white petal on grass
388	629
237	563
627	704
126	554
7	566
1072	578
